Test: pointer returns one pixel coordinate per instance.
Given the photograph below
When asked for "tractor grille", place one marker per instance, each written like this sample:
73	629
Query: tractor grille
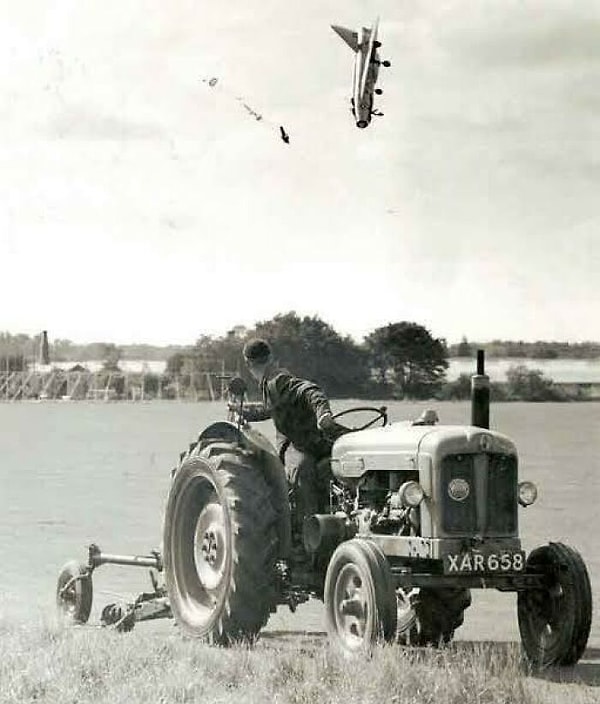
458	516
490	508
502	500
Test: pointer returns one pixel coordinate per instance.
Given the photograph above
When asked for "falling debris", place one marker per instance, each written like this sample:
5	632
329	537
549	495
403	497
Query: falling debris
257	116
215	83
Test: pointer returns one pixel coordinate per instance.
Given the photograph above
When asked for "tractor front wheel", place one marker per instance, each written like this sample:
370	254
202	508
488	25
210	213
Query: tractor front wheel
360	601
555	621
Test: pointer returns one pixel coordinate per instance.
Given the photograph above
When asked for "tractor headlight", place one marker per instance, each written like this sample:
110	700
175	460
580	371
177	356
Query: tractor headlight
527	493
411	494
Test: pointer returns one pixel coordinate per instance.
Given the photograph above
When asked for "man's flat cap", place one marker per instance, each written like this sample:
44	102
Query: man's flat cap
257	351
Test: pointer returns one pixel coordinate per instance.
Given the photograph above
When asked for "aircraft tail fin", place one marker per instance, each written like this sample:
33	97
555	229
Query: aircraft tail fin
348	35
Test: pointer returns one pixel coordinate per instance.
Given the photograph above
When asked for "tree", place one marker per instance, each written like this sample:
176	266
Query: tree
312	349
307	346
175	362
222	353
524	384
457	390
110	355
464	348
407	360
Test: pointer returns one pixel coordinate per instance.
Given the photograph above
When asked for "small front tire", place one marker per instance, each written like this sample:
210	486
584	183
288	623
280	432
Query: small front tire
360	601
74	592
555	621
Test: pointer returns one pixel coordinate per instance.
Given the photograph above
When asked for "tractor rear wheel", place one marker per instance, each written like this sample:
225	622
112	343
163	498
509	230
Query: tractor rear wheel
220	546
437	614
360	601
555	621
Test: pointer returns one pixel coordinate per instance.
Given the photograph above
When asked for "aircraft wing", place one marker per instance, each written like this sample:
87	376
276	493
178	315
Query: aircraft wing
348	35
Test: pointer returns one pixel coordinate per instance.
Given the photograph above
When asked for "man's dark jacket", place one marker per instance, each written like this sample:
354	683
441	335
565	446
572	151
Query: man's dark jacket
295	405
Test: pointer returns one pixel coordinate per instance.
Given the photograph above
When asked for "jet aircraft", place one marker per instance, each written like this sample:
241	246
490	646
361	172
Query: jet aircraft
366	70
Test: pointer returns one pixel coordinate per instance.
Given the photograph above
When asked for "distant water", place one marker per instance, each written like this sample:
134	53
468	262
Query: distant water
560	370
582	371
72	473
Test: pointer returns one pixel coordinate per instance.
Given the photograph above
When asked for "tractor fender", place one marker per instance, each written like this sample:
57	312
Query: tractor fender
267	459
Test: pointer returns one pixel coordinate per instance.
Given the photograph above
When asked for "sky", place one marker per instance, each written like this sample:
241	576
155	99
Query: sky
141	204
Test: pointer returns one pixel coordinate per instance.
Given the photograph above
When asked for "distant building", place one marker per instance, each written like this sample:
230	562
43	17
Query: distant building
130	366
238	331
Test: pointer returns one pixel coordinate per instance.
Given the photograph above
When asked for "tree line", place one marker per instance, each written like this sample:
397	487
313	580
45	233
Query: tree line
527	350
522	384
400	360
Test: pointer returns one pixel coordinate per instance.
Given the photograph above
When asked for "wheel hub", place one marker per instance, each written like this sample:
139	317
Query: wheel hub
210	550
68	596
545	609
350	606
209	547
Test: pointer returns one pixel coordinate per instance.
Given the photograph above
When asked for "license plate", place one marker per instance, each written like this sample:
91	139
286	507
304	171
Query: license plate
473	562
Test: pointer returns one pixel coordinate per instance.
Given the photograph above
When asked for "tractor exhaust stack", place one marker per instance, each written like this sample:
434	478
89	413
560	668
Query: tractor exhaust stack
480	394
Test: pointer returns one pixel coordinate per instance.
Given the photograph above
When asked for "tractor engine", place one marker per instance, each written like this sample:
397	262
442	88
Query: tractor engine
379	502
428	482
375	491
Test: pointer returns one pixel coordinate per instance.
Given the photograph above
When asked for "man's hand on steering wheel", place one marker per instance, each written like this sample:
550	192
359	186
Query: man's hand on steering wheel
330	428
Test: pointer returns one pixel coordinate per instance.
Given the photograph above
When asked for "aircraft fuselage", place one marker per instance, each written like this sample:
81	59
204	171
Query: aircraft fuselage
365	71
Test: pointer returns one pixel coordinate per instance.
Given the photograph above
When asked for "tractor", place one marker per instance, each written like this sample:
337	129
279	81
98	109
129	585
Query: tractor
418	515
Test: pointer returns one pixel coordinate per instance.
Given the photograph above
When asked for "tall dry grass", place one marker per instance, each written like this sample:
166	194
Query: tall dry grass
50	662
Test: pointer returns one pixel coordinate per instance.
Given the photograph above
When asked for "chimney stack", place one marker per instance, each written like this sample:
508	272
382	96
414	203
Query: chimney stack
45	350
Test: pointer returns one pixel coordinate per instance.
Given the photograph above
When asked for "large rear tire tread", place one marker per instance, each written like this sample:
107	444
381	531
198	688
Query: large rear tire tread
563	611
246	597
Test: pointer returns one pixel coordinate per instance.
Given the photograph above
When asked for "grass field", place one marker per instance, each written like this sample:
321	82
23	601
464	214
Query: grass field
100	473
49	662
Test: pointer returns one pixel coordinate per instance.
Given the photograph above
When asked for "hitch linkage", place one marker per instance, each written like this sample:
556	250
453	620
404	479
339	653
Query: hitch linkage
147	606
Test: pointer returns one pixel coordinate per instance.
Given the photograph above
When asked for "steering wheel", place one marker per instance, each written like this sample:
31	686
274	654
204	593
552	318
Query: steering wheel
380	414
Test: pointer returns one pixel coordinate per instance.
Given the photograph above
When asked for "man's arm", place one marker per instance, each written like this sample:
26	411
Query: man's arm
288	387
291	388
252	411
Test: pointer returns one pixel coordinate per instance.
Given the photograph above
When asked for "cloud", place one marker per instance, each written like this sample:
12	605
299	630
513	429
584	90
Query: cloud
528	35
82	123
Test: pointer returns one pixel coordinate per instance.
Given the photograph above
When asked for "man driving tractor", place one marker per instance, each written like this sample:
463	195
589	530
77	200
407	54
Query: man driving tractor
305	429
